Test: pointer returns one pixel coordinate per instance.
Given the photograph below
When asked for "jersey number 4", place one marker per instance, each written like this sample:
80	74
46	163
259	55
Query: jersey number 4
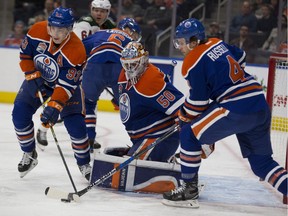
236	73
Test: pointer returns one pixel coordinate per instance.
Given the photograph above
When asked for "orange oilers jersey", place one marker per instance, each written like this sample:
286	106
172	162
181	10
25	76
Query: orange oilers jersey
214	71
147	109
60	65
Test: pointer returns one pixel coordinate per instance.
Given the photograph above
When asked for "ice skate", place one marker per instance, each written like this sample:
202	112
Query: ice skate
86	170
94	145
184	196
28	162
41	140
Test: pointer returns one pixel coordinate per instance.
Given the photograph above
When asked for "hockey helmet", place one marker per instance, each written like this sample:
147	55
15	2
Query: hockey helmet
104	4
134	60
132	25
61	17
189	28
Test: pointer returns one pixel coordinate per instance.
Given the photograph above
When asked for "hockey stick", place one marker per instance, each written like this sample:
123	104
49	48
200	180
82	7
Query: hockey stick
111	93
57	144
68	197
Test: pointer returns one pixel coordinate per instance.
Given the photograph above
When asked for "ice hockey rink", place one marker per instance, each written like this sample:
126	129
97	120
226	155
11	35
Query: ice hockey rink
230	187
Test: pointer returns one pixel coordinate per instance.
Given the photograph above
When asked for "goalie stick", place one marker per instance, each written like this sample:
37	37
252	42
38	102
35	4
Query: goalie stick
57	144
68	197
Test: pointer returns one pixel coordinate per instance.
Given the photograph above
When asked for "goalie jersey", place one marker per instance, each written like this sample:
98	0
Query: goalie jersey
148	108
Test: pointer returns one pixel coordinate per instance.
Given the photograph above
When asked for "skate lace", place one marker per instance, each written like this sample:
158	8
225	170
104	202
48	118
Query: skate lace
26	158
179	189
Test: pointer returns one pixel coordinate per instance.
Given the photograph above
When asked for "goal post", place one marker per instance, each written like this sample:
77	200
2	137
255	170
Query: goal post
277	98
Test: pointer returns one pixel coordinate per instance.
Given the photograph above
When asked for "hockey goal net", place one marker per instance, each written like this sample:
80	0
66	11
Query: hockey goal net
277	98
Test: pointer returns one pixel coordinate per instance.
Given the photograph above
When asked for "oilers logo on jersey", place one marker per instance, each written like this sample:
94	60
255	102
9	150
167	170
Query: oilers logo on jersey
47	66
124	107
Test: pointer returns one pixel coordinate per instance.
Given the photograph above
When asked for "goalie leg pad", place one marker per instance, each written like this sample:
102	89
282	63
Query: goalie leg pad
138	176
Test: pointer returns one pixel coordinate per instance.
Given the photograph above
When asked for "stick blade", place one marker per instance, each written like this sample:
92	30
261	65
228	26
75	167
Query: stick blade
55	193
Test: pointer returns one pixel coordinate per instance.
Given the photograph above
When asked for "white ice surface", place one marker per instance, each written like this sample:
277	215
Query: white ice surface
231	188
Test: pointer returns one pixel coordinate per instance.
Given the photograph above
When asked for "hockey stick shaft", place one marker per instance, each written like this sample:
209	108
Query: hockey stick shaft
58	146
111	93
127	162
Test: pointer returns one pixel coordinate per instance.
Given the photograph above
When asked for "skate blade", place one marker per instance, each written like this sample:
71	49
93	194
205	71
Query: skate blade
34	164
41	147
182	204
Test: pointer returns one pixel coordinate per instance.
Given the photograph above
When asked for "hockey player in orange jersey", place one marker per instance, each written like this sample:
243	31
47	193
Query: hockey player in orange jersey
52	57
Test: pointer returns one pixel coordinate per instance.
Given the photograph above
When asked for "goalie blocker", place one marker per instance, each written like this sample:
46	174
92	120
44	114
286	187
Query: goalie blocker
139	175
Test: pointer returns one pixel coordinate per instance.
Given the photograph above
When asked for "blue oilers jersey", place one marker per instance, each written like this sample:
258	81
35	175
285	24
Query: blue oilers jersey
60	65
105	46
214	71
148	108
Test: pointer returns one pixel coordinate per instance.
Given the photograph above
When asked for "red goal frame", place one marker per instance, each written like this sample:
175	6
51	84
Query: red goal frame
270	89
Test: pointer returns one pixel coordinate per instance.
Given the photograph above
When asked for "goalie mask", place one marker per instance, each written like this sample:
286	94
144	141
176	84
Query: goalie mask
134	60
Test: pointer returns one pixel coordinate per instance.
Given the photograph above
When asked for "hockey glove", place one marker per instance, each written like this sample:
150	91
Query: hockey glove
184	118
35	82
51	113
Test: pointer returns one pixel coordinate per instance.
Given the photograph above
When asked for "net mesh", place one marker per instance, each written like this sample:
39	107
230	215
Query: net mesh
279	124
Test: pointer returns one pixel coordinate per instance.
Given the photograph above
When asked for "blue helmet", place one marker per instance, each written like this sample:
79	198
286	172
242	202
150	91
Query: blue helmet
190	28
61	17
131	24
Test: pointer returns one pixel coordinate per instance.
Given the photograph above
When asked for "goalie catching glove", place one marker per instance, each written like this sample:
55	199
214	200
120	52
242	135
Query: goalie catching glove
51	113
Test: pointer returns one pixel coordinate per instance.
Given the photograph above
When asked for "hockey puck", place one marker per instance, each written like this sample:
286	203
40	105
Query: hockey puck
46	190
66	200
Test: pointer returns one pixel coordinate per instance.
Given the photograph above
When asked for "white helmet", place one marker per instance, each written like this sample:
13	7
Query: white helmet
134	60
104	4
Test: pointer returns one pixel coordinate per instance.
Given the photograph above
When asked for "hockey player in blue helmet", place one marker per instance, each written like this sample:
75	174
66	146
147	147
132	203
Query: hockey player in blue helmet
223	100
188	30
85	26
52	58
133	28
103	66
60	24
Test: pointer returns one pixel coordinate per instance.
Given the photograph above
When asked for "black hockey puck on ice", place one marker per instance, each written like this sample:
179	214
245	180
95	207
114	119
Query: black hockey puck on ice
46	190
65	200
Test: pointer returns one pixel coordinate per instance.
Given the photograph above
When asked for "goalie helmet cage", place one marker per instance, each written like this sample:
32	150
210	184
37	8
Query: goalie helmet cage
277	98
